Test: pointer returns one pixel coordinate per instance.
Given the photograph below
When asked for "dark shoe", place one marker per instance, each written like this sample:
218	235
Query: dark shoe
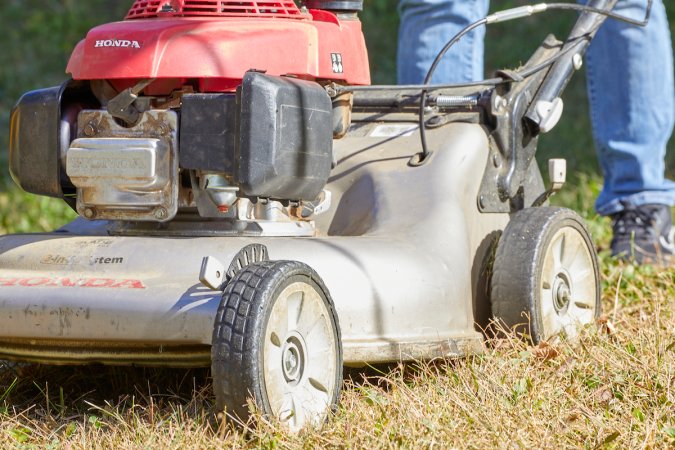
644	234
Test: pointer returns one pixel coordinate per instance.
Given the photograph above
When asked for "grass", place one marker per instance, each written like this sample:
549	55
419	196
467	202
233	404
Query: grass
615	389
21	212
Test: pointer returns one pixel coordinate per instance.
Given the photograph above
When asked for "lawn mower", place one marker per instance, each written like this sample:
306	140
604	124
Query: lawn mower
248	201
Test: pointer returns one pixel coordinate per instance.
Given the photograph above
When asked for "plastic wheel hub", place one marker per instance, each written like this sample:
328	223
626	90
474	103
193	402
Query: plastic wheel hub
293	358
562	293
299	354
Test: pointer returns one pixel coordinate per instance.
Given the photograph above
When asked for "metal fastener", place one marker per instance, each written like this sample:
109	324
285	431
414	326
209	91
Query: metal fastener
160	213
90	129
578	61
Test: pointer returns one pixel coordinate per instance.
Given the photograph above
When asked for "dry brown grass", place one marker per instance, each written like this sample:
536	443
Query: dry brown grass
615	389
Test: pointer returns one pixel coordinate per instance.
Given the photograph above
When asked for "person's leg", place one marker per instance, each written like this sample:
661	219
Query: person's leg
426	26
632	99
630	84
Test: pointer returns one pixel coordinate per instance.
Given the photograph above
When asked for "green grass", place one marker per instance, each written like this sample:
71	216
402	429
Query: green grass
21	212
615	389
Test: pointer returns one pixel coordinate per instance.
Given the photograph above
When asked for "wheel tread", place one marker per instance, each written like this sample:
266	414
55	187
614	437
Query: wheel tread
234	329
515	262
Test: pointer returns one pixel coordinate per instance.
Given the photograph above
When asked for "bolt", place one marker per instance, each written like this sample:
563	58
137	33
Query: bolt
496	160
89	213
160	213
481	202
564	293
90	129
291	361
499	104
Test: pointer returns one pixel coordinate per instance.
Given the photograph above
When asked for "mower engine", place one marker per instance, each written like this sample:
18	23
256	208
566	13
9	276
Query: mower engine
209	109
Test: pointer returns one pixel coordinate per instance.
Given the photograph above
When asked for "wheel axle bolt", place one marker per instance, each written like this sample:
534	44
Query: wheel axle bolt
291	362
562	296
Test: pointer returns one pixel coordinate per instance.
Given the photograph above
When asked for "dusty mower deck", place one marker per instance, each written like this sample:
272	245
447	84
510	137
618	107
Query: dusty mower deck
399	284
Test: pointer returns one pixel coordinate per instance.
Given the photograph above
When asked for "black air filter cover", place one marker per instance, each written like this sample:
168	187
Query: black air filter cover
286	138
208	133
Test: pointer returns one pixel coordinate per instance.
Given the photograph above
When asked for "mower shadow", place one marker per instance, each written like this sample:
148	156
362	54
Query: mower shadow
62	394
72	393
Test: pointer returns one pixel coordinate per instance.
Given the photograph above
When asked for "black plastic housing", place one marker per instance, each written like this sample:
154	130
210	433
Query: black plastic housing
42	125
34	142
286	144
208	132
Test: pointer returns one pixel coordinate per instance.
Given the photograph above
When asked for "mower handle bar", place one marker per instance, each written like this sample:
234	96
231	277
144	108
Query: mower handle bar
575	47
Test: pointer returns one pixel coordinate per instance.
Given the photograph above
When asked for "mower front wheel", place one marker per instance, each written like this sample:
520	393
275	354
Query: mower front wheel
276	341
545	280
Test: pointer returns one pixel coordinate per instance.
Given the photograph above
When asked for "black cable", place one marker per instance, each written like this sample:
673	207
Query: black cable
426	87
499	80
423	98
422	157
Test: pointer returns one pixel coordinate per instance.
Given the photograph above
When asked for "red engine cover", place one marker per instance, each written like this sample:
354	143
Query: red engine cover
219	50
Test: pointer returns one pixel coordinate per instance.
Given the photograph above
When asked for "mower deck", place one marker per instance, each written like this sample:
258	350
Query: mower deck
81	294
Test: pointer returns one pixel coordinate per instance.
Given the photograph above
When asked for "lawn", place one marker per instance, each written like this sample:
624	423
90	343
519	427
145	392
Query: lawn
614	389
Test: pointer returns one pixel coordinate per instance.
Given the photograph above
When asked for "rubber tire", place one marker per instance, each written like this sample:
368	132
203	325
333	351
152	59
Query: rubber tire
239	332
518	266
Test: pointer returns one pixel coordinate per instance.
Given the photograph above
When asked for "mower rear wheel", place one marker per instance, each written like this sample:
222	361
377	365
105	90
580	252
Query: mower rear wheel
545	280
276	341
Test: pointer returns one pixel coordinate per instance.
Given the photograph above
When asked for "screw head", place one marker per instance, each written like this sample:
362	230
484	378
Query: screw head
89	213
160	213
90	130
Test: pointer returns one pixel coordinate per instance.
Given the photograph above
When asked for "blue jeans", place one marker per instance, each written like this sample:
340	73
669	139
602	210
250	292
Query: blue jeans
630	87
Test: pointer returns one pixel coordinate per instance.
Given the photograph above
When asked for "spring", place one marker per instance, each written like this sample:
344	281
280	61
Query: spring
453	101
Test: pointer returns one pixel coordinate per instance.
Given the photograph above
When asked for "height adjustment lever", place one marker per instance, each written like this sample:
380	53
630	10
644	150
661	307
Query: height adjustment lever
547	114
